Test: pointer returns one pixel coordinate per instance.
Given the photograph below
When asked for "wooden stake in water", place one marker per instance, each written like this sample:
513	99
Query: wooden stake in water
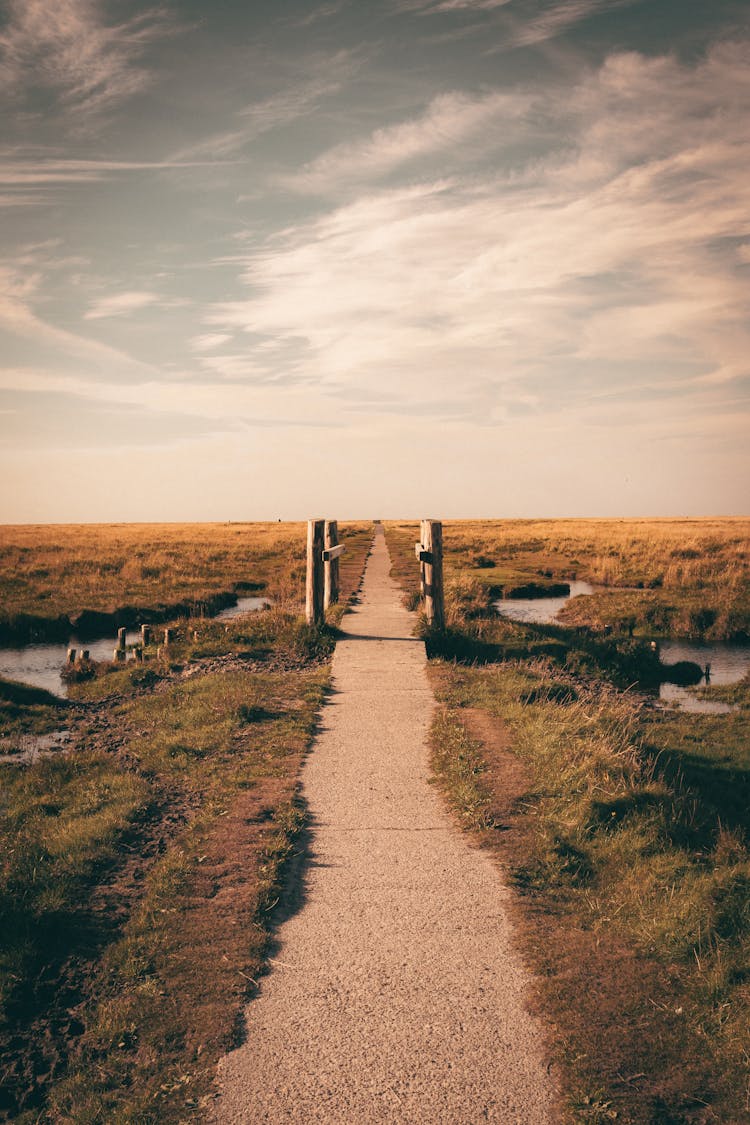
121	634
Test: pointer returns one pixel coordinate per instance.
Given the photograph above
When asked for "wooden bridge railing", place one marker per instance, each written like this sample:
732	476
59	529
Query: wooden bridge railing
429	551
322	585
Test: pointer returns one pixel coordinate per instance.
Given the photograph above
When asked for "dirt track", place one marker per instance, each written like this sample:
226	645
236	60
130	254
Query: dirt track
396	994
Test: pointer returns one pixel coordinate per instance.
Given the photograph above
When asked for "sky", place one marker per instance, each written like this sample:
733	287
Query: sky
273	259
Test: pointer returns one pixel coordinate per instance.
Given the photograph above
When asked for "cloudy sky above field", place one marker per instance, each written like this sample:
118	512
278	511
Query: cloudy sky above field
409	257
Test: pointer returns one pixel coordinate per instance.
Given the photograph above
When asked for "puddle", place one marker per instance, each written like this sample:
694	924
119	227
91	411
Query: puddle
244	605
540	611
729	663
40	665
31	747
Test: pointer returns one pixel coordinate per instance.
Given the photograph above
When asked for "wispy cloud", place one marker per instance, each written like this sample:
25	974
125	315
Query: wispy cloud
34	182
297	100
121	304
207	341
450	121
69	47
430	7
556	19
321	12
45	170
606	259
527	23
18	317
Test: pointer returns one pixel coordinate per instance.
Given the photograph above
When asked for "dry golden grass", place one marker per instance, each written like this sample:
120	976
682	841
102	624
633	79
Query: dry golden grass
66	568
680	577
49	574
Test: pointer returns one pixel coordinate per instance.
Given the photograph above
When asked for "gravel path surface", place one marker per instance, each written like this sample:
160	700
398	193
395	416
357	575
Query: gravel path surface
396	994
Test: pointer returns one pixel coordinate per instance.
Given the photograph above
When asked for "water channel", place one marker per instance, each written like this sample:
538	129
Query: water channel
728	662
41	665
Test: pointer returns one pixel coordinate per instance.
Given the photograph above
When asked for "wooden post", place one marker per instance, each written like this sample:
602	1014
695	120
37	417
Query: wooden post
119	655
422	538
121	634
71	656
331	566
314	583
145	634
168	636
434	604
83	656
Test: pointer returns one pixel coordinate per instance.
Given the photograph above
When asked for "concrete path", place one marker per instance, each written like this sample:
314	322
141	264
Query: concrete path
396	994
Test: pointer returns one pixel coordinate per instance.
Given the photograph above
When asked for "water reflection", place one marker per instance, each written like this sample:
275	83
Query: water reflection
244	605
41	665
728	663
540	611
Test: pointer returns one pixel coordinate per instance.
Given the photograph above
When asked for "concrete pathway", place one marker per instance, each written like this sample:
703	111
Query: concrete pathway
396	994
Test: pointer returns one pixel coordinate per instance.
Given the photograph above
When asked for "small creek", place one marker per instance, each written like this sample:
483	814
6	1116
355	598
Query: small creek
729	662
40	665
540	611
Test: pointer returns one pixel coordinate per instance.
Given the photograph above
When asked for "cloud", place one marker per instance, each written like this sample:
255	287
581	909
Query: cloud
297	100
451	120
225	405
17	316
121	304
610	258
207	341
556	19
431	7
68	47
523	29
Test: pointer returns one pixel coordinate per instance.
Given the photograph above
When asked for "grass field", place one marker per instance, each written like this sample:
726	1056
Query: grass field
686	578
623	828
50	575
139	868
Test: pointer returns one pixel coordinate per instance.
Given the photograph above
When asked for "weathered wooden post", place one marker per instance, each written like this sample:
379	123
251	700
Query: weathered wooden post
331	563
434	603
121	637
168	636
314	583
71	656
145	634
422	537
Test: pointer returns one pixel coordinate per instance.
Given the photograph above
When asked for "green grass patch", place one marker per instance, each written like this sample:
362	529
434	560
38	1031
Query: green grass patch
636	831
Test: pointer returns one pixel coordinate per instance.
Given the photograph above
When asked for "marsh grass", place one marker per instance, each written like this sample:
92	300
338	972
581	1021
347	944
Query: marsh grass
52	574
623	829
140	865
628	835
28	710
666	577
